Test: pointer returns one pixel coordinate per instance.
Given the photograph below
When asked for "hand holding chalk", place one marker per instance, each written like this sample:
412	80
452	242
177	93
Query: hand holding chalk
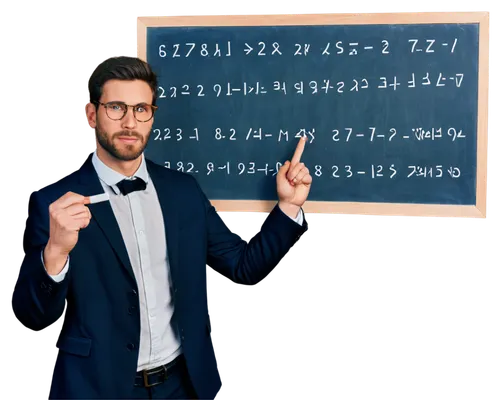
98	198
67	216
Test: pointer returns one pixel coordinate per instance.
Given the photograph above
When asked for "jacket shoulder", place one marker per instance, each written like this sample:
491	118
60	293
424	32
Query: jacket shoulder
57	189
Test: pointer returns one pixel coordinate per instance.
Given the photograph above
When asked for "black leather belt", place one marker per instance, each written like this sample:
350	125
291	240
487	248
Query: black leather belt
155	376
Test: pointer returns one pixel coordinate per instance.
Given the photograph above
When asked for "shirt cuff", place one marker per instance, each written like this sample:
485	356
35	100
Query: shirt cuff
300	218
60	276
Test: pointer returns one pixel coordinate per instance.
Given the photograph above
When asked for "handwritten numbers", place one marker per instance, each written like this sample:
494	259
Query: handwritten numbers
456	135
262	46
302	50
210	168
176	51
160	136
217	89
204	50
383	85
393	171
189	167
377	171
430	43
162	92
336	134
314	86
219	135
276	49
325	51
385	47
361	85
195	134
161	51
393	132
339	47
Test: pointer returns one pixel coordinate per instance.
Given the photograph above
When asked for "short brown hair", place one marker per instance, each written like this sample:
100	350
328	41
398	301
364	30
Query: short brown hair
121	68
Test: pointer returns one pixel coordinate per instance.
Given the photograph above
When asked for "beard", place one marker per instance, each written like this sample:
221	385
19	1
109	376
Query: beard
130	152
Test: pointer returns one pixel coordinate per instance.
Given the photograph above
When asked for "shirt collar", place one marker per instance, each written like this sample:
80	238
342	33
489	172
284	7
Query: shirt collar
111	177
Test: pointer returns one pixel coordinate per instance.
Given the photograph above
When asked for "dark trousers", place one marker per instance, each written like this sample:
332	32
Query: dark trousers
176	385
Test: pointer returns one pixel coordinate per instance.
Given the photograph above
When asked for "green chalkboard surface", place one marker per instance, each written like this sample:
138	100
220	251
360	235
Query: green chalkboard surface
391	110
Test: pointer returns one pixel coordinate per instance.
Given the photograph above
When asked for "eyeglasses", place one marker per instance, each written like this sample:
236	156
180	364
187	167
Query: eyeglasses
116	110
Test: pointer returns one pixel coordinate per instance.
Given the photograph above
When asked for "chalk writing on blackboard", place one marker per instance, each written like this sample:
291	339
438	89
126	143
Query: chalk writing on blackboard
261	48
342	134
336	171
321	86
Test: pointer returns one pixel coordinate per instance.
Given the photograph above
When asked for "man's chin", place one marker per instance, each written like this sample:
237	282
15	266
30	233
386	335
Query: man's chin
127	155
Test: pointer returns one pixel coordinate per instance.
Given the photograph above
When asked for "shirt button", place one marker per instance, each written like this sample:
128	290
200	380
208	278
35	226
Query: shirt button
141	232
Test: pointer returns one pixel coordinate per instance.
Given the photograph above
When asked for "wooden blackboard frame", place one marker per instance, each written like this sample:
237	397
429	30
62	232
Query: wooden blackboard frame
481	18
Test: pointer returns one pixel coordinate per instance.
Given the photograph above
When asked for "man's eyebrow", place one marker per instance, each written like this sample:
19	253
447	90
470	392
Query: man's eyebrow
142	103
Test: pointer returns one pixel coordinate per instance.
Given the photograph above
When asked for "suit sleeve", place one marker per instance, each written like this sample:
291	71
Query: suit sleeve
38	300
249	263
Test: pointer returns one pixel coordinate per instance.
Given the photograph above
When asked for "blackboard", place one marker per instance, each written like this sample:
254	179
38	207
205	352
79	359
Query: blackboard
391	104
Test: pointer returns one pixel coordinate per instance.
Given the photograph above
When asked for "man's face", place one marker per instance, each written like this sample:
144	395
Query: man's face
124	139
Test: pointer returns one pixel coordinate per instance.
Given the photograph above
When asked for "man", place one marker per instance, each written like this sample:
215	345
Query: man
132	270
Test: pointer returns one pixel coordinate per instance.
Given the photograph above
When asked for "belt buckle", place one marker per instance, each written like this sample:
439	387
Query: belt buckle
146	373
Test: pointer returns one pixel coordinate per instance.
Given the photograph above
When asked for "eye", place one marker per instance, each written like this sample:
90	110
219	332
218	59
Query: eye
116	107
142	108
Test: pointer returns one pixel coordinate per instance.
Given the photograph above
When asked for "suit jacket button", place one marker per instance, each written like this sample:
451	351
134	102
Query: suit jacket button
131	346
131	310
134	292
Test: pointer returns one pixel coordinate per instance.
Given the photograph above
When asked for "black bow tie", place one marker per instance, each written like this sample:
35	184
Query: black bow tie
127	186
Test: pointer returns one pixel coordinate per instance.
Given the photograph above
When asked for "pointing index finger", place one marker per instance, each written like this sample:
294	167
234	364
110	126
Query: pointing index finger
299	150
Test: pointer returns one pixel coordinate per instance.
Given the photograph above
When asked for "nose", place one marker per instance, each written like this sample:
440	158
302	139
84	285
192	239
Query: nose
129	121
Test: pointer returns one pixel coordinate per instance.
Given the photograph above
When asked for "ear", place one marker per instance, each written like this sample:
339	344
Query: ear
91	112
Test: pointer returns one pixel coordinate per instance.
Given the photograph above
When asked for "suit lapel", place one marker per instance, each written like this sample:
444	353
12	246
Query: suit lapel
103	214
169	206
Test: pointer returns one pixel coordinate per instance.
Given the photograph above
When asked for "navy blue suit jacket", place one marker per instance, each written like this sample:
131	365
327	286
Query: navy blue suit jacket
99	341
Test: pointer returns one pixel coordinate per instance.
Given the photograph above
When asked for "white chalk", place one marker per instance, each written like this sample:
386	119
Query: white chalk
98	198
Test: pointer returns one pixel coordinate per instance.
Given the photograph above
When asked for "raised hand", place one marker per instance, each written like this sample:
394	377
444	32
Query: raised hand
293	182
67	215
